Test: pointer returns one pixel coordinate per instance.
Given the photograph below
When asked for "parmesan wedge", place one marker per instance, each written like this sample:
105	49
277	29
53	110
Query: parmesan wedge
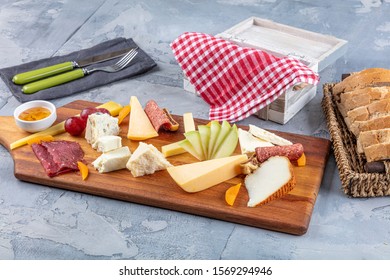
273	179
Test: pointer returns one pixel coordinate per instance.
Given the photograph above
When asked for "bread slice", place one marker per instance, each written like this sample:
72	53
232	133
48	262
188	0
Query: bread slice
372	137
373	110
272	180
375	123
361	97
377	152
365	78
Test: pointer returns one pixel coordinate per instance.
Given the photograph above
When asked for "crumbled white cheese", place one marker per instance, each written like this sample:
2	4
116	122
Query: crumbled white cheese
146	159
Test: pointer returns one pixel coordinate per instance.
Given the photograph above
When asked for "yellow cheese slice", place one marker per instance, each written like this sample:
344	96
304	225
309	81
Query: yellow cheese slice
198	176
140	127
174	149
188	120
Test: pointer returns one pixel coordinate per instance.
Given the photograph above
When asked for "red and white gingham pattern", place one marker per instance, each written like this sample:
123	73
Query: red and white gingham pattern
235	81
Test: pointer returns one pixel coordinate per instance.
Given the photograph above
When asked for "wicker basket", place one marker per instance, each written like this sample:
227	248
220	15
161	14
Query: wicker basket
355	181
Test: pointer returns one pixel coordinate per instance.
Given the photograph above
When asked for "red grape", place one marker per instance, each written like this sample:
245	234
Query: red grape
86	112
75	126
104	111
91	110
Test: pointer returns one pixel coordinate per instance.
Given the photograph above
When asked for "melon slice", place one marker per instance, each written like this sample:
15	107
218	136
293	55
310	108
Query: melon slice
140	127
272	180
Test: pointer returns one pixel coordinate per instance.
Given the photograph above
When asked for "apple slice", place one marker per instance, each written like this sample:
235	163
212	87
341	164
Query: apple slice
194	138
229	143
223	132
187	146
215	127
204	132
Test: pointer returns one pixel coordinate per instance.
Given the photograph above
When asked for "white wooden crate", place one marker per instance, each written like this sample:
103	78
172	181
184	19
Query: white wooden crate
316	50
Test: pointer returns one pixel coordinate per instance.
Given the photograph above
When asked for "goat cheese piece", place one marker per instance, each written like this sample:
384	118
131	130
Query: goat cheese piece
113	160
146	159
98	125
108	143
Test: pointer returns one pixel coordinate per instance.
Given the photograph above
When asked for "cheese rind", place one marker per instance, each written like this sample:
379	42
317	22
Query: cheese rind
198	176
140	127
113	160
146	159
108	143
99	125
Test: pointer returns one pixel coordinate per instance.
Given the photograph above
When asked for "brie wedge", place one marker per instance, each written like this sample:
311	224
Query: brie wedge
248	143
99	125
268	136
146	159
113	160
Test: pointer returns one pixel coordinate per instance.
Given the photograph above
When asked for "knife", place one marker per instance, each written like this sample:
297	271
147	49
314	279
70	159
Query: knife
37	74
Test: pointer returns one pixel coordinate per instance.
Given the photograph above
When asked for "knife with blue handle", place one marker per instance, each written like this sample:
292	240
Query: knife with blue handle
42	73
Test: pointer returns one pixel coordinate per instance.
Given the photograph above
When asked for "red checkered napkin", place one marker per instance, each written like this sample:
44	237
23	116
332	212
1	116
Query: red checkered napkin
235	81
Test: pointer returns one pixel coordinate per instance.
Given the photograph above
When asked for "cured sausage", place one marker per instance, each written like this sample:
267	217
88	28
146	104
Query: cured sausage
159	118
58	157
292	152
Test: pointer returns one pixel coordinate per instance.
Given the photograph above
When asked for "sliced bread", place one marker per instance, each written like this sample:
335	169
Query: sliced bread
372	137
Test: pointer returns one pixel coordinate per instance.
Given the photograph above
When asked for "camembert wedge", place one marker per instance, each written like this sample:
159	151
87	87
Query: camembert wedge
198	176
140	127
273	179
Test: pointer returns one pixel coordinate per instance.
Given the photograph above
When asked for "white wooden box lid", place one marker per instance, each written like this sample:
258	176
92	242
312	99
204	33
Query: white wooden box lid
284	40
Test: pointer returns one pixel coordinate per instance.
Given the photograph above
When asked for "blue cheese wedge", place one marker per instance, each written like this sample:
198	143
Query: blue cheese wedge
248	143
146	159
113	160
268	136
108	143
99	125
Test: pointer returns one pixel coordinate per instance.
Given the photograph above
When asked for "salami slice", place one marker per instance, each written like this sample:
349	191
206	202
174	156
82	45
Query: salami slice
292	152
58	157
159	118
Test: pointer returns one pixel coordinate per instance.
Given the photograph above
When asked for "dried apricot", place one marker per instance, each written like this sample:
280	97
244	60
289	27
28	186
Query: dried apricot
231	194
83	169
39	139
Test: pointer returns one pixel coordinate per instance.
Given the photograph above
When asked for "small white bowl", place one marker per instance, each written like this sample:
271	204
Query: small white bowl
39	125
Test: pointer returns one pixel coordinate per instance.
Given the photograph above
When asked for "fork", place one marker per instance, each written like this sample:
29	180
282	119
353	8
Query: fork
78	73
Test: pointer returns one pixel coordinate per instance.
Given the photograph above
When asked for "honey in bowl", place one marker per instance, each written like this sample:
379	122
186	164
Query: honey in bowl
34	114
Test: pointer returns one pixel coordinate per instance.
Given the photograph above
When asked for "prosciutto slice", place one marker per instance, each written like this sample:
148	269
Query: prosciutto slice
58	157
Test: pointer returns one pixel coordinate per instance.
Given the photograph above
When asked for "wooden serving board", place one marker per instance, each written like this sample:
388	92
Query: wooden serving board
290	214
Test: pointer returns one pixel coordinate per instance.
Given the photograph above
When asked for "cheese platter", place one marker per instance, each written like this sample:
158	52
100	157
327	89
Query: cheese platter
290	213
